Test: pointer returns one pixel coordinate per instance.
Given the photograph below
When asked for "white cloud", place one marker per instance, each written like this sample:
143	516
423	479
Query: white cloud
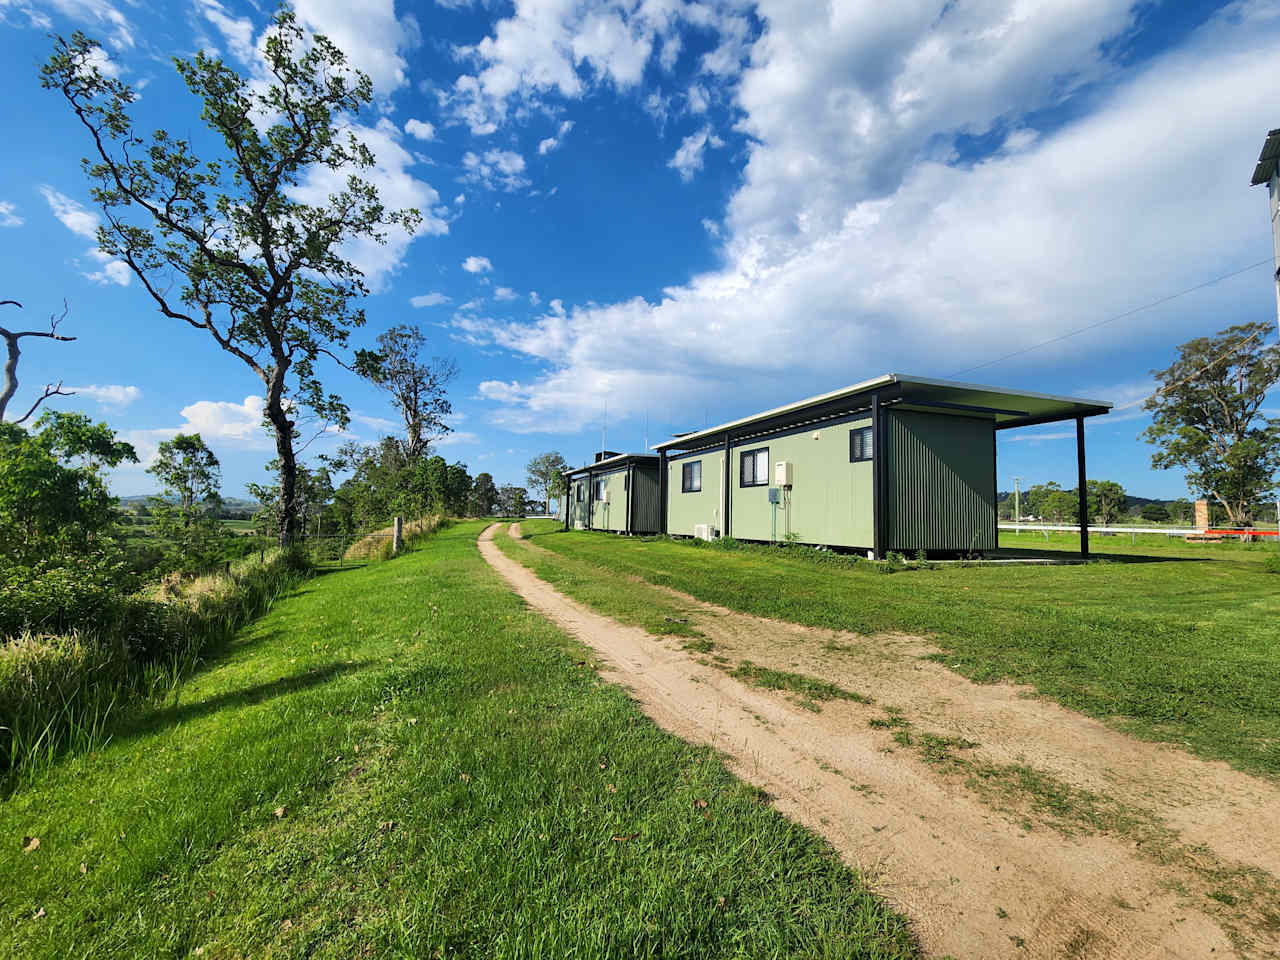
534	299
433	299
551	143
477	265
84	223
420	129
238	424
698	99
111	395
456	438
9	215
564	48
504	293
381	424
856	226
496	169
220	423
397	189
688	157
236	31
103	15
369	33
112	272
73	215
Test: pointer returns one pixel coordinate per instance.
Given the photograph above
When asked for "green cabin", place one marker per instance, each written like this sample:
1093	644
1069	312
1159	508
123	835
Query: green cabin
617	493
896	463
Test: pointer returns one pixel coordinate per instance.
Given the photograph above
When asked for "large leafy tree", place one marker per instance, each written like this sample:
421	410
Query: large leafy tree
53	498
261	272
1207	417
417	386
1107	500
484	495
545	475
511	500
189	472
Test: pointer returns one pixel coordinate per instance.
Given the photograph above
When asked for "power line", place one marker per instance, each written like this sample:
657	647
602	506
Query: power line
1118	316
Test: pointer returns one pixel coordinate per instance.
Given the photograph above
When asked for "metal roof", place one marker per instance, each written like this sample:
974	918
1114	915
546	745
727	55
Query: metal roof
619	458
1267	159
1008	408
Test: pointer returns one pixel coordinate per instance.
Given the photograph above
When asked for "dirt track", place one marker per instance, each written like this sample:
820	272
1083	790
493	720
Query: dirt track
981	874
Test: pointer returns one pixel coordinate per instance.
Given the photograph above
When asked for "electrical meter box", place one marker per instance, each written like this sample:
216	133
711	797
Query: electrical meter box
775	495
782	473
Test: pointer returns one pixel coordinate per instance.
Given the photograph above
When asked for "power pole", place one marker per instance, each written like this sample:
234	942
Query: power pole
1266	172
1017	499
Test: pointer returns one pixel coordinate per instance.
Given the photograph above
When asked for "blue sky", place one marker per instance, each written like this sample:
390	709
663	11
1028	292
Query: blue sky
694	211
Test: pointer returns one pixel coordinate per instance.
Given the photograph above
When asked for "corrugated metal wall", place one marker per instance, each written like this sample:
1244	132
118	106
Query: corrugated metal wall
941	482
645	518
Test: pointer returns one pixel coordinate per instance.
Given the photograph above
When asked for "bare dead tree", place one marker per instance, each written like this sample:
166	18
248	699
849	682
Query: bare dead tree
11	338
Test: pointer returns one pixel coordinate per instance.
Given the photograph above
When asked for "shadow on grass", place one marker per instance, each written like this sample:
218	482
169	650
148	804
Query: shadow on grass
151	721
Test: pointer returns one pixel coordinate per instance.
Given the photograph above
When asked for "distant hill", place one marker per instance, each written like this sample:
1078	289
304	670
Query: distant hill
233	505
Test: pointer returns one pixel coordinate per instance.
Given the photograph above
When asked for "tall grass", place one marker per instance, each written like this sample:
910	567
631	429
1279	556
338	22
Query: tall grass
58	692
378	545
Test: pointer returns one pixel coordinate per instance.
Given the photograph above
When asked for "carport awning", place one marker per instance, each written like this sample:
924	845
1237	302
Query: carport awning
1009	408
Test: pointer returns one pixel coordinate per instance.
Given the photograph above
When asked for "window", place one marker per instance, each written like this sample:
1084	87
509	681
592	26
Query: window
691	477
600	488
859	444
754	470
579	491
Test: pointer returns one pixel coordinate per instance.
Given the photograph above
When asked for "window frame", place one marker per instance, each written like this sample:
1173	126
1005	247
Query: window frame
862	444
601	484
756	479
686	470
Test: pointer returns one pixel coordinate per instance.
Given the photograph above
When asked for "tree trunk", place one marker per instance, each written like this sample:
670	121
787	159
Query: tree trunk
1237	513
10	373
288	521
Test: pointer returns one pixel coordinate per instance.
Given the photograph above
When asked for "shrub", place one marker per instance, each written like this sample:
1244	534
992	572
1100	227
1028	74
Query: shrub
68	667
1272	563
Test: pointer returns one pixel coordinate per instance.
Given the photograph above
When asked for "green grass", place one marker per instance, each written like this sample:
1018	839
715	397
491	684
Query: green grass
1171	641
808	688
402	760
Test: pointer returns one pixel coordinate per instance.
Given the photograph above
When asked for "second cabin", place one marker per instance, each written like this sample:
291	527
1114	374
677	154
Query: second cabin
617	493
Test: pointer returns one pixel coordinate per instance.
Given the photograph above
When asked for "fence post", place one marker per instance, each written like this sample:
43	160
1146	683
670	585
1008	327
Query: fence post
397	541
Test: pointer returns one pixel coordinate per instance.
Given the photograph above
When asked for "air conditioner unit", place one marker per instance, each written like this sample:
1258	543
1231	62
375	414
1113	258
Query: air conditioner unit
782	473
704	531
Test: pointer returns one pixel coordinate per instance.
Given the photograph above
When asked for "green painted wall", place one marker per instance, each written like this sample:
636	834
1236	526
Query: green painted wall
578	510
831	498
685	510
941	480
940	475
613	514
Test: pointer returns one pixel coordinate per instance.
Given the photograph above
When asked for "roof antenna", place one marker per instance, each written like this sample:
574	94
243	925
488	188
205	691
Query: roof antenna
604	426
645	448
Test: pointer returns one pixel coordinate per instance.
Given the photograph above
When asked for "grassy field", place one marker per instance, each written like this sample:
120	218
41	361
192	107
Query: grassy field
1171	641
402	760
